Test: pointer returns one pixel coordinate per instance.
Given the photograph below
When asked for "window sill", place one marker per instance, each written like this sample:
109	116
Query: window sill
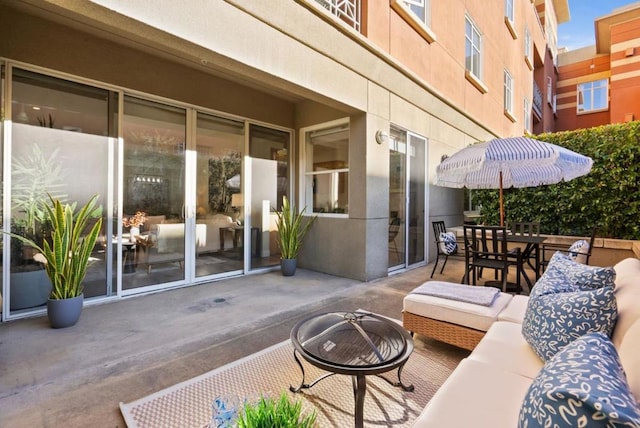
419	26
475	82
600	110
511	28
510	116
527	61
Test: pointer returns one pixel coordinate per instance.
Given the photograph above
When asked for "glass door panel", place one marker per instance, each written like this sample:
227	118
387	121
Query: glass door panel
417	196
269	164
61	145
153	184
219	198
397	198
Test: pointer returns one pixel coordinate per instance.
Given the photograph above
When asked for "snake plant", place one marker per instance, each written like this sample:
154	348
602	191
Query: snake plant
66	253
291	230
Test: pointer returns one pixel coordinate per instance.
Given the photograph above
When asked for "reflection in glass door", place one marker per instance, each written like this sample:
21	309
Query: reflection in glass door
153	184
406	199
269	164
62	136
219	198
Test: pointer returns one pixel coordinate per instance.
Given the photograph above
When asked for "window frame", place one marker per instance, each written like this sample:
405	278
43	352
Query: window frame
420	25
509	17
508	88
528	48
473	73
581	91
306	194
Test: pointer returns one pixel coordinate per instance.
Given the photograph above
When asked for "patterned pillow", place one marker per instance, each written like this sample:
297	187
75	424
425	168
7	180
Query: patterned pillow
553	280
448	243
578	251
552	321
583	277
583	385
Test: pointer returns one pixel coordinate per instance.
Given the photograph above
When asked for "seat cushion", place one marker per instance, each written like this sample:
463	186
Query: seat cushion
582	385
461	313
503	346
627	291
475	393
515	310
552	321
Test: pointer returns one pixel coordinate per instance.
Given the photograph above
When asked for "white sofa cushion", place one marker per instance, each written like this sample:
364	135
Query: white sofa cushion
503	346
476	394
630	357
515	310
627	291
461	313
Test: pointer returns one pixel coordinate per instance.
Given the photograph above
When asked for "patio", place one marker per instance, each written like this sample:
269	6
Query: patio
128	349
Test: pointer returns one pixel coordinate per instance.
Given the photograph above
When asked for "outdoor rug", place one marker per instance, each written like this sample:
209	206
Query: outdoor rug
271	371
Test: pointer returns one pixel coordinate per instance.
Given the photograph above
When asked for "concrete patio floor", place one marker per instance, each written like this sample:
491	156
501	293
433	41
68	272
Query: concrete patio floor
124	350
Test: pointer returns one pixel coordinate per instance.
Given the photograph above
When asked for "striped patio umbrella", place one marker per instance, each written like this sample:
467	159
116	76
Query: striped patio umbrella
510	162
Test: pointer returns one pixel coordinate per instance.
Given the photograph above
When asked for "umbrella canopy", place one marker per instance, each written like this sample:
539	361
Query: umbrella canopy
511	162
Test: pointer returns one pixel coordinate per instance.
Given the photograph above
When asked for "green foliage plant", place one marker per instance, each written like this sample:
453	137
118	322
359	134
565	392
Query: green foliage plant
291	229
271	413
66	253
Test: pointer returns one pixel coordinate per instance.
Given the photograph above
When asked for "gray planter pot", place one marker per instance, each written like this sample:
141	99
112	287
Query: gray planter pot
29	289
288	267
64	312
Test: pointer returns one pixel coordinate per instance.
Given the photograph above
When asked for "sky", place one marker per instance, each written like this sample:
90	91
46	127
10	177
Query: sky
580	31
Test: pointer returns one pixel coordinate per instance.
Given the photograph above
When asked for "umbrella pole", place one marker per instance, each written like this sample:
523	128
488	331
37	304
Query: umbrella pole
501	203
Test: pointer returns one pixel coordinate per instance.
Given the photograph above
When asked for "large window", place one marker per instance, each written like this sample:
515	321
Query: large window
473	49
508	93
527	48
327	168
593	96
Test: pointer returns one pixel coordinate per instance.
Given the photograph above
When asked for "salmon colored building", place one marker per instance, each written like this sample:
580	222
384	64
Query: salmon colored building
600	84
204	114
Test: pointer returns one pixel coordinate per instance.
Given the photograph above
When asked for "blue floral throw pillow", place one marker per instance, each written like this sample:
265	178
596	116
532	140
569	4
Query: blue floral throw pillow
578	251
583	277
552	321
583	385
448	243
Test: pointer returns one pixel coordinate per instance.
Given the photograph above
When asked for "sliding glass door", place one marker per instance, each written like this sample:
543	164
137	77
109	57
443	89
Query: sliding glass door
407	199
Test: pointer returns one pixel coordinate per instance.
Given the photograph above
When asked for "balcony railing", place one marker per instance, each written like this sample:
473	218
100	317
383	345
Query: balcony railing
348	11
537	99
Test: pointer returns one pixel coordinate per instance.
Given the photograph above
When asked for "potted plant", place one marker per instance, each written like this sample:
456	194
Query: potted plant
268	413
65	255
291	232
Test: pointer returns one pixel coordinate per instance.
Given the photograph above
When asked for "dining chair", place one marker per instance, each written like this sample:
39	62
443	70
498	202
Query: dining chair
446	245
486	248
394	229
582	254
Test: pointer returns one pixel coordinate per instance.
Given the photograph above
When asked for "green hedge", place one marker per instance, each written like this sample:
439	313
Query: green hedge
608	197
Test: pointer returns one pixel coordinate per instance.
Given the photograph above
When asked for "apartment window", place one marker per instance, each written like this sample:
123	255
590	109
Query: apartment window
509	18
327	167
527	115
473	53
508	10
417	13
420	9
508	95
593	96
527	48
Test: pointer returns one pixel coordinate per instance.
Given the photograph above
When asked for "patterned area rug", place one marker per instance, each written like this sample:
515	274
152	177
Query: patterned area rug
271	371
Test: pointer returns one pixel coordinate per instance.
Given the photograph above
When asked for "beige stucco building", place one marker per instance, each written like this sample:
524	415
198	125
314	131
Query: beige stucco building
345	106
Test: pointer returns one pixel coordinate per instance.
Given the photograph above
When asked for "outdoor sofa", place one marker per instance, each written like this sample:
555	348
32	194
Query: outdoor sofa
543	356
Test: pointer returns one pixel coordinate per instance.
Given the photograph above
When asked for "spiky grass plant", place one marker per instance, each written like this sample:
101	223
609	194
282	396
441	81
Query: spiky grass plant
291	230
270	413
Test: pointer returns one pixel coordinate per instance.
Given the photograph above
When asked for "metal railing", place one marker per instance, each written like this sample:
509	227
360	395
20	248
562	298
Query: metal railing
348	11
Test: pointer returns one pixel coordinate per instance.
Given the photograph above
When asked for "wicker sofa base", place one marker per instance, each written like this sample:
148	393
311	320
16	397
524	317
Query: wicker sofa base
457	335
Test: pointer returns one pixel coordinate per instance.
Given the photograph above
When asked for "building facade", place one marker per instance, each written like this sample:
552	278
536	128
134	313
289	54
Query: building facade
600	84
203	115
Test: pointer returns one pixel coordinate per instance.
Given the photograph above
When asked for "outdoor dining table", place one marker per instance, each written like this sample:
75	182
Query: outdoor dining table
531	250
